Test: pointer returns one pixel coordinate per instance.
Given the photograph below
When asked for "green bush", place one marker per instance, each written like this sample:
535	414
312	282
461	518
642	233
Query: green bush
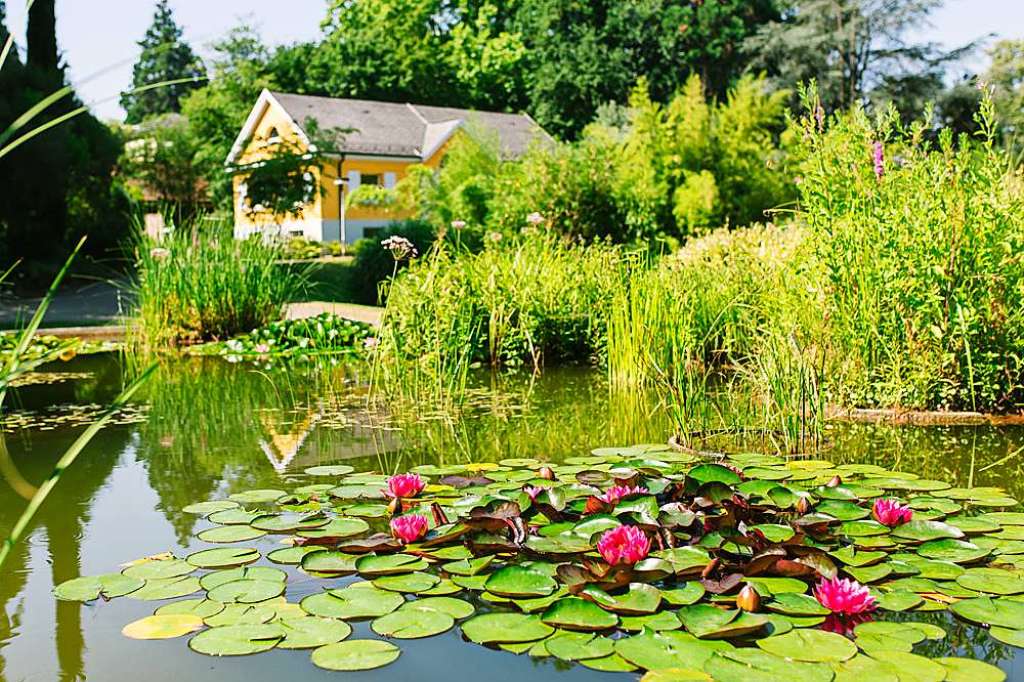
922	247
200	284
373	265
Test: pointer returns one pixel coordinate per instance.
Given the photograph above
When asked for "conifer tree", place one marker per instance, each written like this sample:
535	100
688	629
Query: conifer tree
165	57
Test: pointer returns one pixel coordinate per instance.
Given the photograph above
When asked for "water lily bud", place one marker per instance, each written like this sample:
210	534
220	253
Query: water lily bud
803	505
835	482
547	473
748	599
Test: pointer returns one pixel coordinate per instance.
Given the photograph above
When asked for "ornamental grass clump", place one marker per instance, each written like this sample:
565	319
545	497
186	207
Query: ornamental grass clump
199	284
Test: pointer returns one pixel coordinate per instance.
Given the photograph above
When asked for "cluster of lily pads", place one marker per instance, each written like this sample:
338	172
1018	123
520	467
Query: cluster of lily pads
644	558
320	334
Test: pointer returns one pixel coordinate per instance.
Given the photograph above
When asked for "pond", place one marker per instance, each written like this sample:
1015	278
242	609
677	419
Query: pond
206	429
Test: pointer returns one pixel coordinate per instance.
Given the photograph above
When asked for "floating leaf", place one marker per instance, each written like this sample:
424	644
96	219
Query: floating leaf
742	665
988	611
922	531
389	564
412	624
166	588
494	628
329	470
236	640
573	613
573	646
308	632
660	650
516	581
812	646
204	608
992	581
204	508
166	626
107	585
407	582
150	569
262	496
212	580
456	608
352	602
967	670
223	557
246	591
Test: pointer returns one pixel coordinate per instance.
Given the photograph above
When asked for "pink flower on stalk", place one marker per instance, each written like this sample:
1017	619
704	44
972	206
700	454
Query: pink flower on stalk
616	493
409	528
535	218
878	157
458	224
624	545
405	485
891	513
844	596
533	491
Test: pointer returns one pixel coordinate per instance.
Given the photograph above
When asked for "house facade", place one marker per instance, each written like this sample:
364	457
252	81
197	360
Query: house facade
381	141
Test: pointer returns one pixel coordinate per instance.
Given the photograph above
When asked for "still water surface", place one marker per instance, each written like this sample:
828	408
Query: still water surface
206	428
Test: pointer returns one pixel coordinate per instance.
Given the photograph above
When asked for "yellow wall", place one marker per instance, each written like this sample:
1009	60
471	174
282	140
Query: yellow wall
325	206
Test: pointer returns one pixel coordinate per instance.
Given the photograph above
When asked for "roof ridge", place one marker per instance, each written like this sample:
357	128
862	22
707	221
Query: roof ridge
417	114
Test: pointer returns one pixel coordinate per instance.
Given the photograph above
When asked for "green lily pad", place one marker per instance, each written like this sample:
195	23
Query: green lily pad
707	622
1008	636
468	566
663	620
988	611
639	599
793	604
898	600
494	628
412	624
355	654
246	614
456	608
414	583
166	588
204	508
743	665
328	563
159	568
262	496
661	650
969	670
246	591
236	640
811	646
287	523
389	564
337	528
223	557
992	581
516	581
922	531
212	580
573	613
329	470
689	593
204	608
352	602
229	534
234	517
107	585
957	551
167	626
308	632
911	666
577	646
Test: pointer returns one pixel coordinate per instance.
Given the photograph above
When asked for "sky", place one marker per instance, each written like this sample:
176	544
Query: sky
98	37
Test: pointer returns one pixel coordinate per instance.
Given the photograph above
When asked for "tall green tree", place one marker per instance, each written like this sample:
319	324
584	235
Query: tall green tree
42	37
858	51
584	54
165	57
1006	78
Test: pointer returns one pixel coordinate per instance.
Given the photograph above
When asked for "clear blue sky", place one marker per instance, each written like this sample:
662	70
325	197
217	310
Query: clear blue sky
100	35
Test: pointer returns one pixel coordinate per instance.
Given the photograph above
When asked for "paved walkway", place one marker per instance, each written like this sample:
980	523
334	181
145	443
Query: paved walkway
89	305
353	311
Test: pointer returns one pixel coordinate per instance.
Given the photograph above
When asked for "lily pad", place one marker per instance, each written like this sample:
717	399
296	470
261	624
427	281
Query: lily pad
261	496
743	665
352	603
992	581
246	591
204	608
922	531
577	646
573	613
159	568
456	608
329	470
107	585
988	611
217	578
166	588
223	557
812	646
389	564
414	583
236	640
166	626
204	508
412	624
495	628
356	654
516	581
957	551
308	632
661	650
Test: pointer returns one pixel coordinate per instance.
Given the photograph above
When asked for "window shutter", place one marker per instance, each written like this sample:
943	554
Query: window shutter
389	180
353	180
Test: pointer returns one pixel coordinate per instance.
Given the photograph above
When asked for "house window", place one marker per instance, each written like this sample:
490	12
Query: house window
273	137
371	179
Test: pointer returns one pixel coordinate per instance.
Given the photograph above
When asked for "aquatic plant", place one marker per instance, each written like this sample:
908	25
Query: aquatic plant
712	568
891	512
405	486
209	287
321	334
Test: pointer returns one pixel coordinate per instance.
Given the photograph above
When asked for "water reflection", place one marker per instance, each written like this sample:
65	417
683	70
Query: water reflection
213	428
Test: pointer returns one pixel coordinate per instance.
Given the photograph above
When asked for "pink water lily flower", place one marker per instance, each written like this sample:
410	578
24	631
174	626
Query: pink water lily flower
405	486
624	545
533	491
616	493
409	528
844	596
891	513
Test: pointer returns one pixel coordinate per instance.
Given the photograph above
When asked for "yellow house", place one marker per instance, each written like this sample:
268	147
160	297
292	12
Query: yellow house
382	140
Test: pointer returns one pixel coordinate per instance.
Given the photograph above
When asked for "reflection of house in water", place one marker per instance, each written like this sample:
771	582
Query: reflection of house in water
297	439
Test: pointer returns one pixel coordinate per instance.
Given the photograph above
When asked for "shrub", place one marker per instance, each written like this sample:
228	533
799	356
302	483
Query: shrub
199	284
373	265
922	246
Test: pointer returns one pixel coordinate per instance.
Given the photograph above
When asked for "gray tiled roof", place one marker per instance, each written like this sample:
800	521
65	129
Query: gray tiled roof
390	128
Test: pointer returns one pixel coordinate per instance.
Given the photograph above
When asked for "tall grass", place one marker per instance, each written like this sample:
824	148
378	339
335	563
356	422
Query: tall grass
199	284
519	303
921	241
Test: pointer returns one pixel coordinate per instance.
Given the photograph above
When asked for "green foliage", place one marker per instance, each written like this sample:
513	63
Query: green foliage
161	158
199	284
164	57
518	302
1006	78
323	333
373	264
922	261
